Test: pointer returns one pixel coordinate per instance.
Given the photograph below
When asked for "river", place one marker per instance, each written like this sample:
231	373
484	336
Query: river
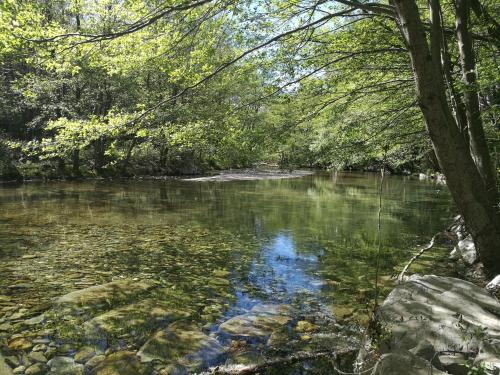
219	272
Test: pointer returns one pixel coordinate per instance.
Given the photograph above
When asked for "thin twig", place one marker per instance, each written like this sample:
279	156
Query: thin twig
418	255
379	231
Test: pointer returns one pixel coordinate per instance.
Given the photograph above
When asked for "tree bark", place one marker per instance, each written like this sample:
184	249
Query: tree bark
463	178
454	98
75	159
477	139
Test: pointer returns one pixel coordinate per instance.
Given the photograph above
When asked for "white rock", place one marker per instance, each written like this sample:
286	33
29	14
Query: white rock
494	285
422	176
449	313
467	250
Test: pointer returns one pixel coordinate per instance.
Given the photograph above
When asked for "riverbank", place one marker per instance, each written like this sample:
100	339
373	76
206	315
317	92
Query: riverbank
441	325
251	175
222	175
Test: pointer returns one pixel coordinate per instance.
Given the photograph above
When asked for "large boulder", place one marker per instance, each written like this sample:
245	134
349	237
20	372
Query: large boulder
257	324
183	344
449	313
106	294
144	316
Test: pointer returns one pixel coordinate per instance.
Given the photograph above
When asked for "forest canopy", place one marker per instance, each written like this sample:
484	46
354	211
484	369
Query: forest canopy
167	87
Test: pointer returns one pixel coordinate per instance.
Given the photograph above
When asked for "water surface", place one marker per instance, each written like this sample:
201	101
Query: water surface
216	249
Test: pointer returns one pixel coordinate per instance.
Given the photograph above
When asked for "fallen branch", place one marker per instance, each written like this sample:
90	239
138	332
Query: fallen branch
280	361
418	255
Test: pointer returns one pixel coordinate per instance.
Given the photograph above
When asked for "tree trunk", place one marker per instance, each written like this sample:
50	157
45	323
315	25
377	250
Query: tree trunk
99	148
477	139
75	159
464	180
454	98
126	160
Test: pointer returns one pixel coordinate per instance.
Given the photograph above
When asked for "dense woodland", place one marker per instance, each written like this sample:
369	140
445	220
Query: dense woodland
138	87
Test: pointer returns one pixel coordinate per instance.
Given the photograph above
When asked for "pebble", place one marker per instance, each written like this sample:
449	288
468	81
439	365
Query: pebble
94	361
39	348
20	344
35	320
12	361
37	357
19	370
36	369
84	354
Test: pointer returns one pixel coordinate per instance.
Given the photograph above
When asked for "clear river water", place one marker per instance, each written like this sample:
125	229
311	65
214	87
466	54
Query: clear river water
173	276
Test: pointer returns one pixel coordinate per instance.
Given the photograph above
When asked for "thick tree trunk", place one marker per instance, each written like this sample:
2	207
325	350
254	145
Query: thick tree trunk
477	139
464	180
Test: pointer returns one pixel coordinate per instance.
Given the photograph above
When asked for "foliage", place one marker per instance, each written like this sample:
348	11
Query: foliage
82	87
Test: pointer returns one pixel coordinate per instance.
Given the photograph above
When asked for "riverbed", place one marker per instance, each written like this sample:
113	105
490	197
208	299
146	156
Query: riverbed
177	276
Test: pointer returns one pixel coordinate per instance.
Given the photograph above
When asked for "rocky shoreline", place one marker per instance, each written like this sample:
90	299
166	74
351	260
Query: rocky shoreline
442	325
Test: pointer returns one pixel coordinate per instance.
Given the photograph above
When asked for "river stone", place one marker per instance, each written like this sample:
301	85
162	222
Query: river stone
305	326
4	368
84	354
106	294
35	320
37	357
64	366
36	369
138	317
403	362
12	360
449	313
182	344
259	323
20	343
17	370
120	363
467	250
494	285
94	361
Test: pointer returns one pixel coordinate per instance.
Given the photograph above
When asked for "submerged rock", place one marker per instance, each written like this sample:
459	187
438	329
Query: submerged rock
259	323
36	369
64	366
138	317
4	368
85	353
106	294
120	363
181	344
449	313
20	343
